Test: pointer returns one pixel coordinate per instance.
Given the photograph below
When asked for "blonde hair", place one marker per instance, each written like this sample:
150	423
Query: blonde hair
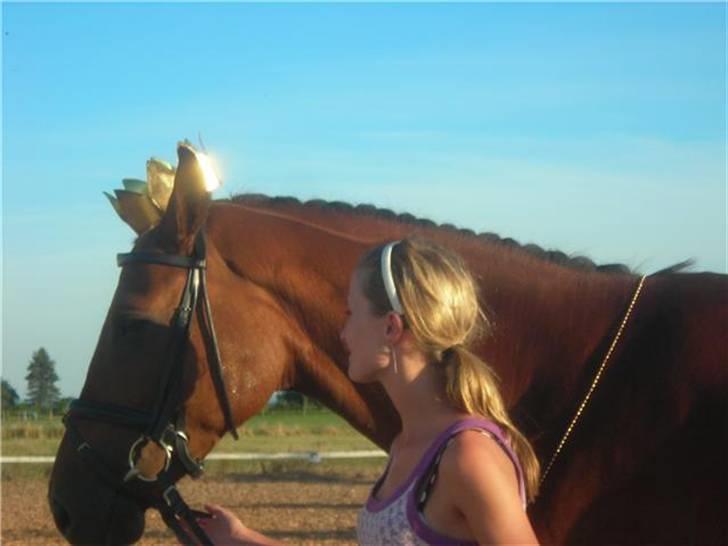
440	301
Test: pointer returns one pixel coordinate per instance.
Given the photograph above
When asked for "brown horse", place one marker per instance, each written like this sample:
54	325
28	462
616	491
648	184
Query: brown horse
644	464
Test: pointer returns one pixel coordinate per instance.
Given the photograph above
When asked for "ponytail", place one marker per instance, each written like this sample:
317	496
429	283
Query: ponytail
471	386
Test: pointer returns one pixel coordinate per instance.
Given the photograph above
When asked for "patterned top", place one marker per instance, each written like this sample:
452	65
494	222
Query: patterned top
399	520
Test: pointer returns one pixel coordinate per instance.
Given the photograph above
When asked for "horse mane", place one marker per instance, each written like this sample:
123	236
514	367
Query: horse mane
677	268
580	263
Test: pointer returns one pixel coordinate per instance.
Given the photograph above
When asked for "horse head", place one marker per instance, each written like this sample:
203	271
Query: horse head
156	397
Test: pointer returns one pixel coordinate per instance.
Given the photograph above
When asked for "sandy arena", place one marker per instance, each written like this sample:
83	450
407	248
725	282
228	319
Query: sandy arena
299	508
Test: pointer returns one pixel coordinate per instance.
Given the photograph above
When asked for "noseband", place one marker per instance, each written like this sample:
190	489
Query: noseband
165	423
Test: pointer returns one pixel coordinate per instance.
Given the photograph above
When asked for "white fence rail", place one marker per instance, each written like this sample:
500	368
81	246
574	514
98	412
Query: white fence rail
310	456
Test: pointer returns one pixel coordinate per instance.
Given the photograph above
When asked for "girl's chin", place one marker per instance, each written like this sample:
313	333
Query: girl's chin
358	377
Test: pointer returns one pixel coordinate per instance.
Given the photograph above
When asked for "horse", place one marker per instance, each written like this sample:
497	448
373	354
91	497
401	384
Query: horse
619	381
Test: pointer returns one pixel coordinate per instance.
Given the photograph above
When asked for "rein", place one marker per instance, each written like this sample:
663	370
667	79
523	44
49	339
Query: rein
165	424
595	381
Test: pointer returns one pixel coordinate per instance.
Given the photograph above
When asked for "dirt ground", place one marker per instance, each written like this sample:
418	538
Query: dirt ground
297	507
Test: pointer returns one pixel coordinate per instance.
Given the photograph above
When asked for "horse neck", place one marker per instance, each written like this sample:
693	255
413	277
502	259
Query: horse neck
307	271
511	280
548	320
541	310
549	323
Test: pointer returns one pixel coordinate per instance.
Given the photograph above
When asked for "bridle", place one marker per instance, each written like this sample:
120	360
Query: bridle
165	423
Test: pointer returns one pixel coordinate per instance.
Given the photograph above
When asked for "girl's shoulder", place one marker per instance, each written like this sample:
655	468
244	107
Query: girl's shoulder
477	459
472	449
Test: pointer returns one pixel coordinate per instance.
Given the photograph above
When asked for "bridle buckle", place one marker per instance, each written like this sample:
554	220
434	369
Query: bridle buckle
137	445
171	490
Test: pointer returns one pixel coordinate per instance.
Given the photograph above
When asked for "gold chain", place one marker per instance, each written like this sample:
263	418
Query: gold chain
597	377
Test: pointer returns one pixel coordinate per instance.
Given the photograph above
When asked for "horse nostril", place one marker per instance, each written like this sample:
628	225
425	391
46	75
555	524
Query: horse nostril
60	515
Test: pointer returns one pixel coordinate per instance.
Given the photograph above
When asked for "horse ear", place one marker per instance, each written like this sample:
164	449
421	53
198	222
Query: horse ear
188	205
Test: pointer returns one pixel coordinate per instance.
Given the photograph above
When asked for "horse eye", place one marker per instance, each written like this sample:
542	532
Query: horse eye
129	325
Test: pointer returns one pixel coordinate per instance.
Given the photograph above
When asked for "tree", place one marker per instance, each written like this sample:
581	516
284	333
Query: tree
10	397
294	400
42	377
289	400
63	404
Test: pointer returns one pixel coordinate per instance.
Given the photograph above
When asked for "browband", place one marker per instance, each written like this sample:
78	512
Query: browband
387	278
185	262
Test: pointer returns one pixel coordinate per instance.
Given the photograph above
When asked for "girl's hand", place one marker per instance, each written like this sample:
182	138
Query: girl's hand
225	528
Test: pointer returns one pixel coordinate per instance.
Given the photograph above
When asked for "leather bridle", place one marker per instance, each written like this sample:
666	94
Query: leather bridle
165	423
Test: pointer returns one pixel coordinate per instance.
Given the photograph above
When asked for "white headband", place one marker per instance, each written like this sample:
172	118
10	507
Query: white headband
388	279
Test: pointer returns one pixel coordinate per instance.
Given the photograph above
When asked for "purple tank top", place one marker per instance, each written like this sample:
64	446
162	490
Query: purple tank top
397	520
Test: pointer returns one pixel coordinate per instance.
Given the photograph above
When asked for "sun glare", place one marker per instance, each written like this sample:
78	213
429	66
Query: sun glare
212	182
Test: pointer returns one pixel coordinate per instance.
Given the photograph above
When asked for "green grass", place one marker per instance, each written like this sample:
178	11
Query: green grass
31	437
26	471
279	431
327	470
274	431
293	469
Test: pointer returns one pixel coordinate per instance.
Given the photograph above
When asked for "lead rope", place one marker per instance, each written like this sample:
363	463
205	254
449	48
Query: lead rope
595	382
182	519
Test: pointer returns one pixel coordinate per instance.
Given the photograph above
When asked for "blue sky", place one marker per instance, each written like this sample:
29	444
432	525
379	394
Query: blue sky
597	129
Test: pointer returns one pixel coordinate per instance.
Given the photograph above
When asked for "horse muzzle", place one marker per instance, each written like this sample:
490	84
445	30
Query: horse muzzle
88	511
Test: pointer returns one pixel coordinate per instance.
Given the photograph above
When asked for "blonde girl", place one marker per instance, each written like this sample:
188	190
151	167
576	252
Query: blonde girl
459	472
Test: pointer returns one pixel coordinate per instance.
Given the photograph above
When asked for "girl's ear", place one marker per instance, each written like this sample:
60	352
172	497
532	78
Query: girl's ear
394	327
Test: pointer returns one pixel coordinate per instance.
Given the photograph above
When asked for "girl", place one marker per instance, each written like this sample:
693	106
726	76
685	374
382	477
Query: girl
459	472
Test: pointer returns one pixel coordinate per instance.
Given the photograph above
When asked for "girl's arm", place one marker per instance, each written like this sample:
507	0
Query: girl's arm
225	528
482	484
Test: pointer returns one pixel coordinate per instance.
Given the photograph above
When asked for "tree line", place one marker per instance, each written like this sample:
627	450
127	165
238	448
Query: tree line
43	394
42	391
